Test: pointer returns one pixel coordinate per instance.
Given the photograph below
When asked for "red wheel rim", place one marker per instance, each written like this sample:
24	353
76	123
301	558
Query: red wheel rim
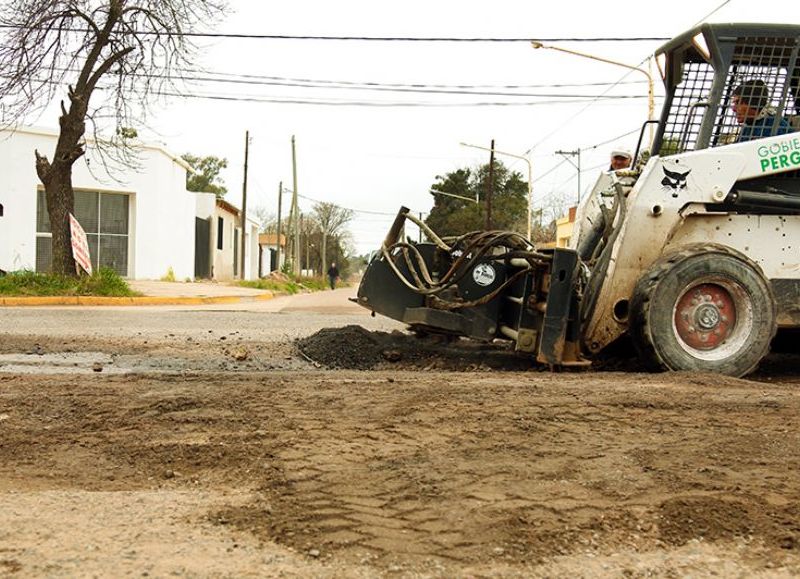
705	316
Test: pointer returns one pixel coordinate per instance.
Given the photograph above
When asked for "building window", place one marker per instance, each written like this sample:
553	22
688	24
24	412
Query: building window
104	218
220	226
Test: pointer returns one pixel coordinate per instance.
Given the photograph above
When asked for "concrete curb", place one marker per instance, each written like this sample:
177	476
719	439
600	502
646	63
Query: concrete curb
135	301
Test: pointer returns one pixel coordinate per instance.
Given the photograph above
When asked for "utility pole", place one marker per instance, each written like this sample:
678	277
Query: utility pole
244	199
577	154
302	231
528	162
490	192
308	255
288	251
278	240
296	256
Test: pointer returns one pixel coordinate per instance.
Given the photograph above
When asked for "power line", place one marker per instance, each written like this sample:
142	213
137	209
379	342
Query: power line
580	112
559	99
257	80
409	84
388	104
546	173
393	88
427	38
364	211
573	176
714	11
589	148
242	36
250	80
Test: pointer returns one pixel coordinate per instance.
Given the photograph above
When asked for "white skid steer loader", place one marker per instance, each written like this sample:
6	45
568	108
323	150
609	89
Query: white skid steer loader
694	253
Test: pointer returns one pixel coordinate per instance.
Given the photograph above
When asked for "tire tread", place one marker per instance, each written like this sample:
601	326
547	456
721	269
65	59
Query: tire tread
639	324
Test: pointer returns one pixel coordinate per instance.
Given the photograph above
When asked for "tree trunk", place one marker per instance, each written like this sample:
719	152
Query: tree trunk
60	203
57	180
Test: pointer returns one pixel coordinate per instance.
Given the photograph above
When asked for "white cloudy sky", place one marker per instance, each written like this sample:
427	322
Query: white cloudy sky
376	159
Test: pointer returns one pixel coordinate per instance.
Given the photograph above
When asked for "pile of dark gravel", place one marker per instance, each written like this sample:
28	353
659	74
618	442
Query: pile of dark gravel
351	347
354	348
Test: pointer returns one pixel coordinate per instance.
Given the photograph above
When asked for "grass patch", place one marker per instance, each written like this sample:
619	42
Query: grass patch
291	286
315	284
104	282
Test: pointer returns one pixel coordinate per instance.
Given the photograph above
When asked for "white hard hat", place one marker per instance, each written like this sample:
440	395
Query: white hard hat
622	153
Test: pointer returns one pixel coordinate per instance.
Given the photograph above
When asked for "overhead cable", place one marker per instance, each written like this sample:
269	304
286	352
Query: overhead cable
400	89
243	36
408	84
388	104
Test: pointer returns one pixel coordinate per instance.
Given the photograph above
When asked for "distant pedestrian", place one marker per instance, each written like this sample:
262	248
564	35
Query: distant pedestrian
333	275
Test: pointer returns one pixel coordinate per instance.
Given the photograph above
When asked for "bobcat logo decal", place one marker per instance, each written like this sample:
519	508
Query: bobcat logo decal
674	180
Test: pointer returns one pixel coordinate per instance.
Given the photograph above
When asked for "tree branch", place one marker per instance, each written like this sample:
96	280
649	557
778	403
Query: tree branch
114	14
106	66
42	167
86	18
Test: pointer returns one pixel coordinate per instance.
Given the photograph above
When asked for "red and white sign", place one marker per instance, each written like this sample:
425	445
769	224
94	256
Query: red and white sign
80	246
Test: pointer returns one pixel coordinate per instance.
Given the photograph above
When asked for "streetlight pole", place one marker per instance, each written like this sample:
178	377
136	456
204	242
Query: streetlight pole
650	86
576	153
530	176
244	201
296	208
470	199
278	236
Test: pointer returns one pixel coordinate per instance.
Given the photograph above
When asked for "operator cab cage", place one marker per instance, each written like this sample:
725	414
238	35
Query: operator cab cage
702	68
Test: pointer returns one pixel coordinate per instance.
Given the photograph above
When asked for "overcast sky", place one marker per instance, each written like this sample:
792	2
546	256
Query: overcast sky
377	158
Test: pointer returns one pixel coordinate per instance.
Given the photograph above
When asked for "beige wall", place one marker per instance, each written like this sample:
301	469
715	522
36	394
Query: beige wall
222	263
222	259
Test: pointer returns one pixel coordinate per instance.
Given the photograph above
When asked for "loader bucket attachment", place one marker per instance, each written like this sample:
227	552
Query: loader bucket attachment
484	285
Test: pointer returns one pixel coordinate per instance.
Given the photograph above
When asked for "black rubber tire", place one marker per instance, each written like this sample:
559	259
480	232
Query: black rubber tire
656	295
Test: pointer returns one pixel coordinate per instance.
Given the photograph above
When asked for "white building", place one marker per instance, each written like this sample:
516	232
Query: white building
222	221
269	252
142	222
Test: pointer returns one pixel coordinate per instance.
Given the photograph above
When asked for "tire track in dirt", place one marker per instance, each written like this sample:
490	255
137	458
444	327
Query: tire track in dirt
450	477
431	470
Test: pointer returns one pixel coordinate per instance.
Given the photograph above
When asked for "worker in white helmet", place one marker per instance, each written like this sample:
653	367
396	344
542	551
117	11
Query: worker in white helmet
620	159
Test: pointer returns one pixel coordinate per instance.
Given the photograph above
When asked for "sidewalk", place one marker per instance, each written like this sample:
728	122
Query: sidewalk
155	293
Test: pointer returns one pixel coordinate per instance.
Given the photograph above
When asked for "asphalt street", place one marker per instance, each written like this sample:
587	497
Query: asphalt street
282	318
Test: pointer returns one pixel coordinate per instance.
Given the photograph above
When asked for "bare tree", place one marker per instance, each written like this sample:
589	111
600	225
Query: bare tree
267	220
309	232
331	219
129	50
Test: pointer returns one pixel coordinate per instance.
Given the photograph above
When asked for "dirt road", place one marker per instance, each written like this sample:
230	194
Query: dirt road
299	471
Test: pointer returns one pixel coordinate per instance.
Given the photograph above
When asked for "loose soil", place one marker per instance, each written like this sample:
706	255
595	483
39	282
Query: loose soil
398	473
352	453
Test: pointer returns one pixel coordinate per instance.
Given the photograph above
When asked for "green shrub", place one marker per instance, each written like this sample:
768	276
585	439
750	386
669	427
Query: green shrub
104	282
170	275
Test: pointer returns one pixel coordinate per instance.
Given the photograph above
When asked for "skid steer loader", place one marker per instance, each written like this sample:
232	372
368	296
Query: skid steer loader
694	253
